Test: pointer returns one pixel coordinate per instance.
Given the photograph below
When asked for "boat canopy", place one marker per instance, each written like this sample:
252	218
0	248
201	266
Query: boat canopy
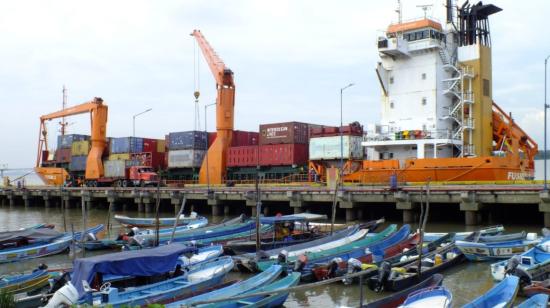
145	262
41	234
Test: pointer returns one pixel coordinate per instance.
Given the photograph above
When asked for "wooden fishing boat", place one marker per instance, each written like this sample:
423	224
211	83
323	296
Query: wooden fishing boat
258	280
247	262
40	249
396	299
273	300
360	250
24	282
318	254
431	236
537	287
535	301
376	254
288	230
397	279
497	247
534	264
194	278
163	222
436	297
501	295
28	236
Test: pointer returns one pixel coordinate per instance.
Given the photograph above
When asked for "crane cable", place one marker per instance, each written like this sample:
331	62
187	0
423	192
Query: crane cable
196	84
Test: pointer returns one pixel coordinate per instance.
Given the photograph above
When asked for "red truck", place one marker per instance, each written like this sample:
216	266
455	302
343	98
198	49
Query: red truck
119	175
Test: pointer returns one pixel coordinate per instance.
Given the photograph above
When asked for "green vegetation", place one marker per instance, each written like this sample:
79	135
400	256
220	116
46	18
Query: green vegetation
6	300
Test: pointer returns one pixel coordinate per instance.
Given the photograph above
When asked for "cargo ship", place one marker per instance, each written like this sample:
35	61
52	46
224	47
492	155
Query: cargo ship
438	118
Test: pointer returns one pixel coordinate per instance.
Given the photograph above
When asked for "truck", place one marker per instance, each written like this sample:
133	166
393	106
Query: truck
118	174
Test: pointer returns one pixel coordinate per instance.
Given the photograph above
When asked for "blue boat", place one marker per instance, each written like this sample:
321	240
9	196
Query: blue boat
375	249
501	295
41	249
429	297
194	278
536	301
183	220
24	282
259	280
535	263
460	236
274	300
491	249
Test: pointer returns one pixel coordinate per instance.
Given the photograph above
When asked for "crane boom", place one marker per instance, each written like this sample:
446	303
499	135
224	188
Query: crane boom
213	168
94	165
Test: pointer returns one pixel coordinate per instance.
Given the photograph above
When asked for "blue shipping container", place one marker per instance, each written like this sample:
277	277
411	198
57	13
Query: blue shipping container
195	140
126	145
78	163
66	141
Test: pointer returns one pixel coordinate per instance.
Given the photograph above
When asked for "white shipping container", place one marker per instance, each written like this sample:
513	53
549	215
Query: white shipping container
190	158
114	168
328	148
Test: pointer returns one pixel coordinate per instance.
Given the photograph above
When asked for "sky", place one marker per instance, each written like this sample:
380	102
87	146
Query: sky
290	59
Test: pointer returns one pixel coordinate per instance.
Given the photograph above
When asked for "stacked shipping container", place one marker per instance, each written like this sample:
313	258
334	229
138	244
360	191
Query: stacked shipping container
325	142
186	149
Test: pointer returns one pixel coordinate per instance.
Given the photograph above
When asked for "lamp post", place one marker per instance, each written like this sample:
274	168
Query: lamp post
545	112
206	156
134	120
340	130
258	199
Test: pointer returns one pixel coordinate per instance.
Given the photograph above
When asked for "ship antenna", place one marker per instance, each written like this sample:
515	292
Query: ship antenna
425	8
399	11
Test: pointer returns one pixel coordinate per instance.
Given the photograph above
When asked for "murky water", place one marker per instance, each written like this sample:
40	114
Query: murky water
466	281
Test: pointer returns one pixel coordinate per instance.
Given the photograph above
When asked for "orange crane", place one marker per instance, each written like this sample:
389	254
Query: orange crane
94	165
213	168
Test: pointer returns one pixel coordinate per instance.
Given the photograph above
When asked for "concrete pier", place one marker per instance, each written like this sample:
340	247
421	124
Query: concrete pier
354	200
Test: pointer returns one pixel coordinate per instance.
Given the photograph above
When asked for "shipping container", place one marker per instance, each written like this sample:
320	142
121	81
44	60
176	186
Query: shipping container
114	168
78	163
195	140
80	148
284	133
66	141
283	154
126	145
121	156
149	145
190	158
63	155
161	146
352	129
151	159
240	138
243	156
328	148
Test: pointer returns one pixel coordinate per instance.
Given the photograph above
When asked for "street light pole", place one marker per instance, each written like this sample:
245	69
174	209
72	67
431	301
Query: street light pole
258	199
134	120
206	156
545	115
340	130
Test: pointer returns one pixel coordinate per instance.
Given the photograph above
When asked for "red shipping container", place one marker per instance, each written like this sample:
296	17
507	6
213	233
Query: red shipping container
151	159
283	154
244	156
352	129
211	138
284	133
63	155
149	145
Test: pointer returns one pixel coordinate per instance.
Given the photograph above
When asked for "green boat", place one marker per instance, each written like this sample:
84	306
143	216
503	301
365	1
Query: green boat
369	240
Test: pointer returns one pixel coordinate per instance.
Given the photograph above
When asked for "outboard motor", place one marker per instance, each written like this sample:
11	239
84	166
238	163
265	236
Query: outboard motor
59	282
383	274
67	296
300	263
512	268
333	267
88	237
282	257
354	266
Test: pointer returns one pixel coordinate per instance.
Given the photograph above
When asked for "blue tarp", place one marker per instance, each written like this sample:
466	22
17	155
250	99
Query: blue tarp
146	262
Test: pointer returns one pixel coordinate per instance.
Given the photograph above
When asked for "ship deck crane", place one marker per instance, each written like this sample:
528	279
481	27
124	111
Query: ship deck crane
213	168
94	166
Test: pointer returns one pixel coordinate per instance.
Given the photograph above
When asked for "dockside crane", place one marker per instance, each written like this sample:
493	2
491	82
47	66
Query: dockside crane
94	166
213	168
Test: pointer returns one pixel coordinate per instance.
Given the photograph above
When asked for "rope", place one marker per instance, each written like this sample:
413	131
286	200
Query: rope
279	291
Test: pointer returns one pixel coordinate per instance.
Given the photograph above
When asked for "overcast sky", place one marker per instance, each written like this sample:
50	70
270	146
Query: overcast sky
290	59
